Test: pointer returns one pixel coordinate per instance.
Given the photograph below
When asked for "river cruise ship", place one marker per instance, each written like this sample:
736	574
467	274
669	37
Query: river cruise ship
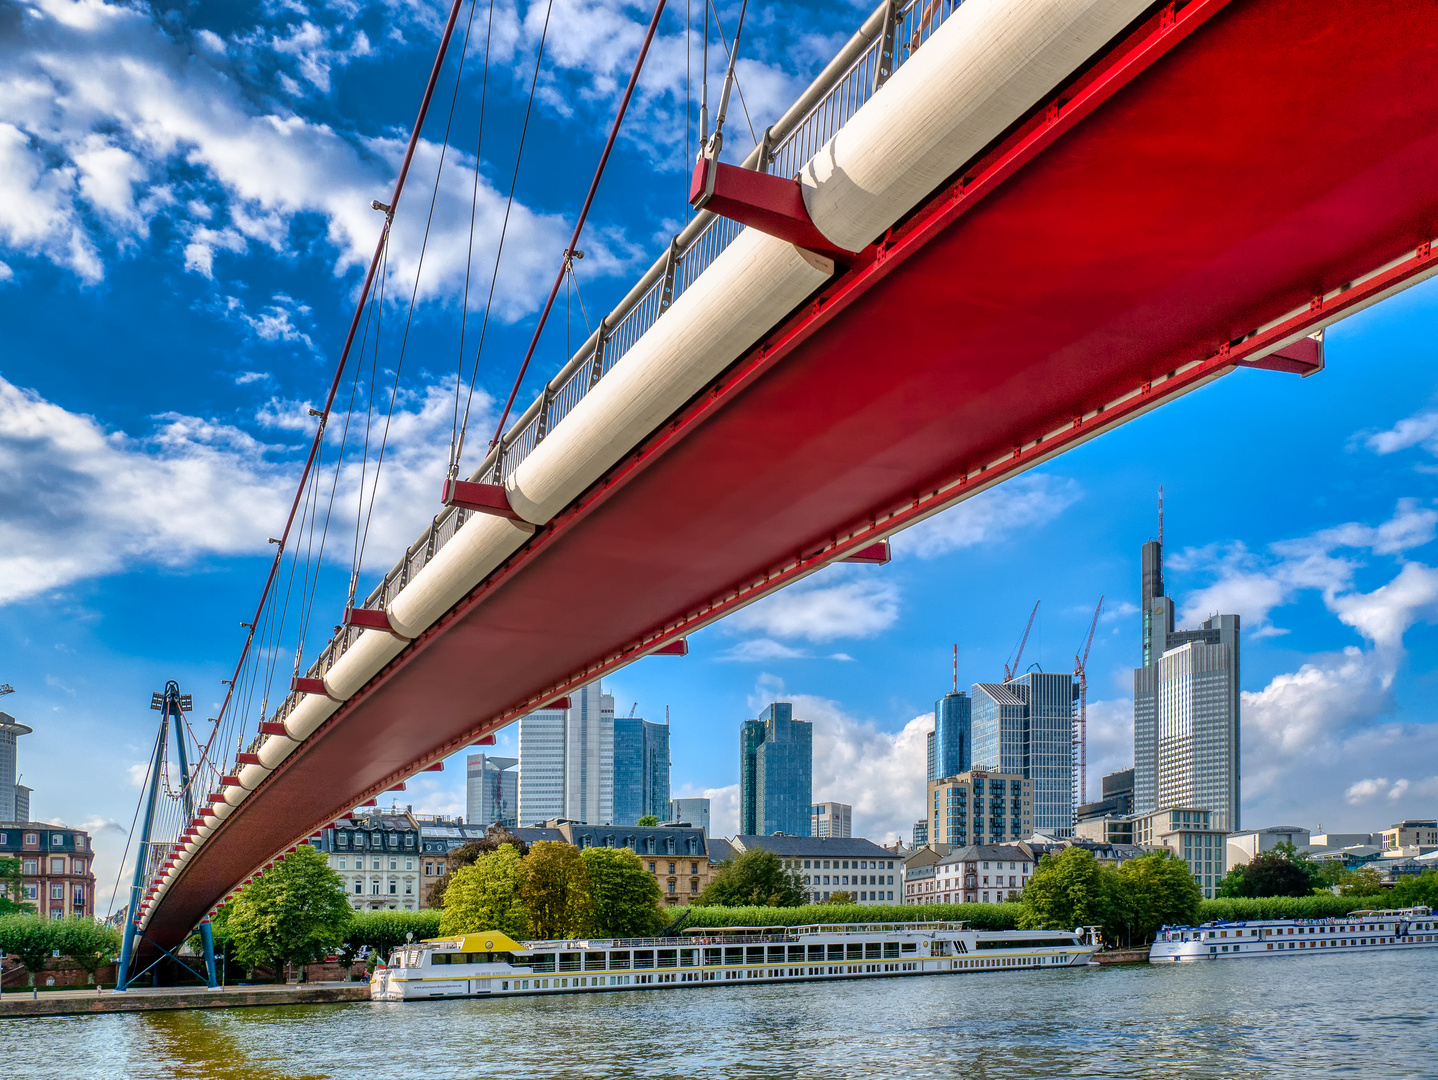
1357	932
493	965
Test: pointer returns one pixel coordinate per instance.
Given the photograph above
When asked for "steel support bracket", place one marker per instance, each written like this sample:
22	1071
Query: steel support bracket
671	267
1303	357
877	554
771	204
677	647
884	60
483	498
369	619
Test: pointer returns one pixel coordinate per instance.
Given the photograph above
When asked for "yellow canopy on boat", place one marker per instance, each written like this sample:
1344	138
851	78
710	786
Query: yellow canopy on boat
489	941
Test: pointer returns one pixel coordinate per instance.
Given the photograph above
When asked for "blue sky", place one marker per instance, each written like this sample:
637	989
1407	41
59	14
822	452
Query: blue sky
184	223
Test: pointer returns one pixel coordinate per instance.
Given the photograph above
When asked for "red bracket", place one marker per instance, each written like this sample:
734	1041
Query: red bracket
366	619
1303	357
229	780
483	498
762	201
438	766
309	686
878	554
488	740
397	787
247	759
558	703
677	647
269	727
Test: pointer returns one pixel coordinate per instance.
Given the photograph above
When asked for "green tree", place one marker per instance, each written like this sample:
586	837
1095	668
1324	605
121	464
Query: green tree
12	889
756	877
89	944
486	895
648	820
1071	890
840	897
1276	873
1361	881
470	853
1231	884
625	895
294	913
556	891
1155	890
1413	891
30	939
381	932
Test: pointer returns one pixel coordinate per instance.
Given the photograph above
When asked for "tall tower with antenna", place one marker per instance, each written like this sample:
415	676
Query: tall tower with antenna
949	744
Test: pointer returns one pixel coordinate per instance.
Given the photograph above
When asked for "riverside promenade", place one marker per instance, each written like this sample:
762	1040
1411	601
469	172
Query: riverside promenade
145	999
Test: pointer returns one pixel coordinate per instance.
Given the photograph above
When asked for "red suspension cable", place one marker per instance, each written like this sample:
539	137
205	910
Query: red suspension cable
349	341
579	225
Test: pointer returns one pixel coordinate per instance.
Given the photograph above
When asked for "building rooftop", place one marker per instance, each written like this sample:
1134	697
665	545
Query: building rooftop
1001	693
991	852
824	847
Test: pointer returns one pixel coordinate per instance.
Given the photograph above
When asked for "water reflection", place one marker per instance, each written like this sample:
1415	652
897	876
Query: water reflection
1285	1018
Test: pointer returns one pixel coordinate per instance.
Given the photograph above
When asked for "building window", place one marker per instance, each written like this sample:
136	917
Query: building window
409	864
79	866
429	869
374	888
57	839
394	888
671	885
57	891
376	865
671	868
79	896
32	838
394	864
57	866
409	888
359	887
651	868
32	866
4	838
342	862
79	843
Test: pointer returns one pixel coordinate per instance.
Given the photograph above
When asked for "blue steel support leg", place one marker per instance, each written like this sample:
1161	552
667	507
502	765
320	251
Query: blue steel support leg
142	858
207	938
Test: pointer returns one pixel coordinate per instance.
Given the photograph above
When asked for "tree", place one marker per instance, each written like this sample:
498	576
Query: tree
625	895
90	944
385	931
1071	890
294	913
30	939
467	855
486	895
1413	891
840	897
12	889
1274	873
1154	890
648	820
556	891
756	877
1362	881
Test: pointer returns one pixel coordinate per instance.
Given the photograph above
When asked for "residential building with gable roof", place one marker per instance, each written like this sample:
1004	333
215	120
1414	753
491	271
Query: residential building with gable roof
826	865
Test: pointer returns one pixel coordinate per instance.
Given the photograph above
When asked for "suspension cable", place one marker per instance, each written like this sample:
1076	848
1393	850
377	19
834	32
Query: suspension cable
458	451
583	214
349	338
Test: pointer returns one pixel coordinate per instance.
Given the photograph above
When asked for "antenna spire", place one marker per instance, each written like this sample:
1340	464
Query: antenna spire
1160	515
956	669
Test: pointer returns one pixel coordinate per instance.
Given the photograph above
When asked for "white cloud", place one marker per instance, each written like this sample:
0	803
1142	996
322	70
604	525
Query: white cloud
1420	429
1025	502
852	607
78	501
1365	790
723	806
759	650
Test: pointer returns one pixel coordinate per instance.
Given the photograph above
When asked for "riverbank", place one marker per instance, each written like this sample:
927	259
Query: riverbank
148	999
1121	956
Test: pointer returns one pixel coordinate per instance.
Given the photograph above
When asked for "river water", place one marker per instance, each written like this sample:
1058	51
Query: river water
1366	1015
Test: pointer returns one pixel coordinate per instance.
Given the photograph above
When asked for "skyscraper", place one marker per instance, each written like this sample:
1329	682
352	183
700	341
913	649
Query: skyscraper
492	791
566	761
1186	720
832	819
950	746
775	773
694	811
641	770
14	798
1025	727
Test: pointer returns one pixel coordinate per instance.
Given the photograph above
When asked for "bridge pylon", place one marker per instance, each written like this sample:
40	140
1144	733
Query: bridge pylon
149	853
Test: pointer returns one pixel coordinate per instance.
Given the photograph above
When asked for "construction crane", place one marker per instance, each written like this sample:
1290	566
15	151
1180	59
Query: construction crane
632	708
1081	736
6	688
1010	672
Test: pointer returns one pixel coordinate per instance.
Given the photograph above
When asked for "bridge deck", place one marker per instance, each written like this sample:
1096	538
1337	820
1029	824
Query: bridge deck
1279	152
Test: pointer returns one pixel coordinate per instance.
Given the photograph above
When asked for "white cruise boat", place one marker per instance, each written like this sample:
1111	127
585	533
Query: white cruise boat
1357	932
493	965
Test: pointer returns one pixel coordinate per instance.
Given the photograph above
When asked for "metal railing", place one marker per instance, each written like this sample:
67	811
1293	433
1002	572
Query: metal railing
880	46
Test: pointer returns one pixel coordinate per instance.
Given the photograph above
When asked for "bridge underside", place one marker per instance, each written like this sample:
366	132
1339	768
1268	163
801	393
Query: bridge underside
1282	150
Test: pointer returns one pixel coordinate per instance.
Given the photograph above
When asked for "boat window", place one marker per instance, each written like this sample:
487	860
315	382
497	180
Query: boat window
440	958
594	961
733	956
796	954
644	958
908	946
687	957
891	950
873	950
668	958
1028	943
836	952
855	950
618	960
754	954
544	962
713	957
816	953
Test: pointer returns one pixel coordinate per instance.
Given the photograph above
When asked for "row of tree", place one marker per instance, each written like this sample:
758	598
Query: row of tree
1129	902
1285	871
553	890
34	941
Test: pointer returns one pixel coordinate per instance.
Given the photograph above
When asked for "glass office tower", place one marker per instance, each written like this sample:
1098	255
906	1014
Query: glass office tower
776	773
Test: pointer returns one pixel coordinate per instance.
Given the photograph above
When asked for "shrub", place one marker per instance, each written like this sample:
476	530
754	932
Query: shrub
978	916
